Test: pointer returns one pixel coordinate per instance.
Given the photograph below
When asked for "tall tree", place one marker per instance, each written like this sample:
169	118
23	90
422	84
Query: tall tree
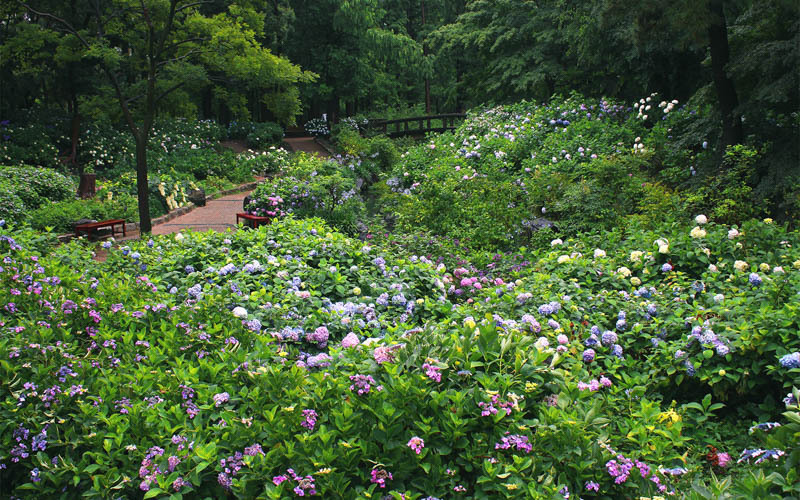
150	50
353	45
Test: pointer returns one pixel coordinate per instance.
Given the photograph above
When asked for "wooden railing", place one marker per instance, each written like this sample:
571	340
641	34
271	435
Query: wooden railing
403	126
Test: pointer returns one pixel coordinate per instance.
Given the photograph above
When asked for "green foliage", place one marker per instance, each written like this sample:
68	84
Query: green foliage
28	144
12	209
311	187
367	157
494	383
728	194
265	135
60	216
34	185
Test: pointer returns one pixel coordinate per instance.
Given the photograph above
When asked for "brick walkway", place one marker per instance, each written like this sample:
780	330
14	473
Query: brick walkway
220	214
307	144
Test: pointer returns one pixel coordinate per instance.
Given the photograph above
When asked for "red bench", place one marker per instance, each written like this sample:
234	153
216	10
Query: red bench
90	227
257	219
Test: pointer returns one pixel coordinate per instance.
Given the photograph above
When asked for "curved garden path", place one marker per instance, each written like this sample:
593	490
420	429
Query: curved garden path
220	214
307	144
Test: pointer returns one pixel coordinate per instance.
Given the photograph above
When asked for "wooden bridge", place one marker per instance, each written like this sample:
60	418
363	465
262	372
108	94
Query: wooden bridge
419	125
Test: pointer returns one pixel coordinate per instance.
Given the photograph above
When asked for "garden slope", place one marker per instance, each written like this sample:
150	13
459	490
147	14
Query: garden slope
294	359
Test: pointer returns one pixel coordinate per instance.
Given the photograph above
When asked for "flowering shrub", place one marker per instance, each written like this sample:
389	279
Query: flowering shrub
317	127
26	188
574	164
311	187
29	144
269	161
264	135
294	360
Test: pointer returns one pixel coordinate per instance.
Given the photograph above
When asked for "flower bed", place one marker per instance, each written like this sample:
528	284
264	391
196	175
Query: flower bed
294	361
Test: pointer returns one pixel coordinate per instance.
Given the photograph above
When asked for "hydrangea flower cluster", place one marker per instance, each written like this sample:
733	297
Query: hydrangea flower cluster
432	372
416	443
305	484
760	455
363	384
790	361
496	404
594	384
153	467
766	427
380	476
514	441
310	419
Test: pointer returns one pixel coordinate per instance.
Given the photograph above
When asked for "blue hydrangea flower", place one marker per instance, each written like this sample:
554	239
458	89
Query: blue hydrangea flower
609	338
791	360
766	427
667	267
755	279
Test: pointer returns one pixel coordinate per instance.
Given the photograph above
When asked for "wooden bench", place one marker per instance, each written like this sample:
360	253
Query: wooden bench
90	227
256	219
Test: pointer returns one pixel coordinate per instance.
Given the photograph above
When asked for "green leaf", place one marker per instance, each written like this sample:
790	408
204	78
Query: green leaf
153	493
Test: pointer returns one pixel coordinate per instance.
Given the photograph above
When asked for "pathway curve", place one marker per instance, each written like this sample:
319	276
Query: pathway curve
307	144
220	214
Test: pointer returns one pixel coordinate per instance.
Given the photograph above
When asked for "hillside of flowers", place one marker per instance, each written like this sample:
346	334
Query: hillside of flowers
295	361
544	303
576	165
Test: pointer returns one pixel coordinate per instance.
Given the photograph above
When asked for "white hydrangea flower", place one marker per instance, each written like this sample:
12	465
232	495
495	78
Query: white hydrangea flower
240	312
624	271
556	242
733	233
598	253
701	219
698	232
740	265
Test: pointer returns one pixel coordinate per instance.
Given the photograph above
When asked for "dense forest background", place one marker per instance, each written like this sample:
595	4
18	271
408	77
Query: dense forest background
289	61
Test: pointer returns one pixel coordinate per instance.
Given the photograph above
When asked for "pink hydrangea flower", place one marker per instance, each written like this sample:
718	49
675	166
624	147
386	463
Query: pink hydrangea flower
417	444
350	340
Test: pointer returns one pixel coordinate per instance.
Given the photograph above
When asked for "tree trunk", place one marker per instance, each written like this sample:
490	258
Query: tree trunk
427	80
726	93
142	189
76	133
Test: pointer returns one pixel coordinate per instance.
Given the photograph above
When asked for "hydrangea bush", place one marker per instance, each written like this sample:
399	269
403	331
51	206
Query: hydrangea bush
295	361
